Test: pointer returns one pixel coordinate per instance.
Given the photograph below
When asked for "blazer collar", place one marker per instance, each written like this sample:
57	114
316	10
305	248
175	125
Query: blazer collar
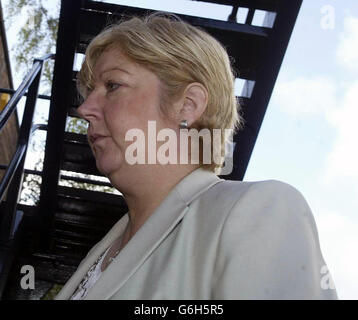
161	222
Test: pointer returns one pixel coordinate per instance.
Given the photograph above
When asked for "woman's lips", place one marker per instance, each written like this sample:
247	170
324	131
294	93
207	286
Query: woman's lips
96	138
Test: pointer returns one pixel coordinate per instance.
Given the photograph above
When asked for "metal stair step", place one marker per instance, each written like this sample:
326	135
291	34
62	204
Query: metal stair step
49	269
253	39
77	155
267	5
113	201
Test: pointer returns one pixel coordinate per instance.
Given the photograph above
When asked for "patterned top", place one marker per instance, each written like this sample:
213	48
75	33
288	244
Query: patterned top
90	279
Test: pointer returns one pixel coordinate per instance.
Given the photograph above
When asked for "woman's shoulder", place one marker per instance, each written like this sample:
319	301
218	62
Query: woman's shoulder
269	187
256	193
267	205
268	244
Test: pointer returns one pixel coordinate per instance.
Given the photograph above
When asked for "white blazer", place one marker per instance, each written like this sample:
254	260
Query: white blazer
215	239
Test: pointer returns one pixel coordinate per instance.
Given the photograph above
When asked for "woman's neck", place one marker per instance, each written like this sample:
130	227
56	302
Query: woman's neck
145	188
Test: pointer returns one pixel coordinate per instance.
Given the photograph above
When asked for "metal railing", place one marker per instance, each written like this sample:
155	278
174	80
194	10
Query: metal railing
13	176
11	91
66	177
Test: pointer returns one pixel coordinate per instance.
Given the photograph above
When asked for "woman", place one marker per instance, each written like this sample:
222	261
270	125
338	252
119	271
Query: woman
188	234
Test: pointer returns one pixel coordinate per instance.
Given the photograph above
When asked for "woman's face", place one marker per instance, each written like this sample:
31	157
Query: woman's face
125	96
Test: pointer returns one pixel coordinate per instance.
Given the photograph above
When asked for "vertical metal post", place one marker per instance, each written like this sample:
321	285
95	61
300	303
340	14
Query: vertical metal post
11	222
61	99
266	76
14	189
250	16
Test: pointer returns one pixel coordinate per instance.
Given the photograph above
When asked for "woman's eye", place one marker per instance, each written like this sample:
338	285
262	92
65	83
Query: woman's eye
88	90
111	86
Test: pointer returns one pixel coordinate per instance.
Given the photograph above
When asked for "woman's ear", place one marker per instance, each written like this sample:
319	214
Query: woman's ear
194	102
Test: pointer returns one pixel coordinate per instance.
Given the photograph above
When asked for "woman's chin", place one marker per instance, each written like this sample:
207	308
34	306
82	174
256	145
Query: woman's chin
108	166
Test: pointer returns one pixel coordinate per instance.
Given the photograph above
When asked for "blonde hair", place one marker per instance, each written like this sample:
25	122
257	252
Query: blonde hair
179	54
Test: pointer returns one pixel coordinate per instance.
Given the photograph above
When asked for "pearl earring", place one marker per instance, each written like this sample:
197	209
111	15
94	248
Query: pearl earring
183	124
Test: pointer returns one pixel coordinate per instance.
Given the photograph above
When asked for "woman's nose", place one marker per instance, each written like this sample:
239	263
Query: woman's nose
88	109
81	110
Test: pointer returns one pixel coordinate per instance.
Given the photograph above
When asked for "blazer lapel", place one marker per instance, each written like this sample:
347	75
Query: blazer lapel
162	221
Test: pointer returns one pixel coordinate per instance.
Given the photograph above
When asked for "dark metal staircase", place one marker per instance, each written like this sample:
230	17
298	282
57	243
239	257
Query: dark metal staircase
67	222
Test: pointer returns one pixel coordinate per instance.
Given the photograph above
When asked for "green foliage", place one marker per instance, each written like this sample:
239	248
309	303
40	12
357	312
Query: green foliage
30	194
36	37
37	34
52	293
76	125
